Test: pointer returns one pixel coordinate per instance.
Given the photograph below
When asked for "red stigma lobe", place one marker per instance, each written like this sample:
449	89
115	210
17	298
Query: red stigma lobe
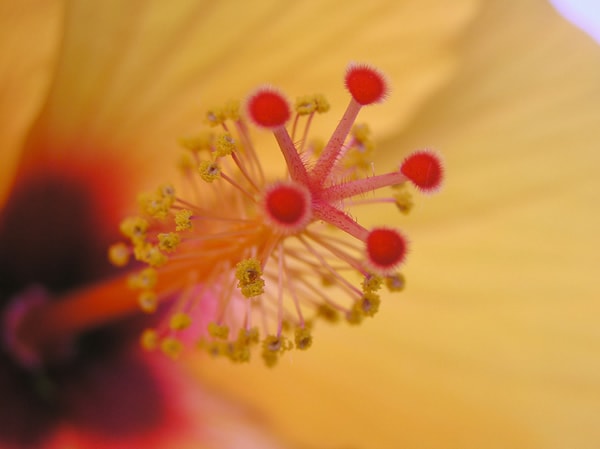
386	248
424	169
365	84
268	108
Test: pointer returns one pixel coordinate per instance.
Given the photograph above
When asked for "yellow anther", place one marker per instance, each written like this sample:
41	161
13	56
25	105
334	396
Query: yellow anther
202	142
368	305
225	145
316	146
218	330
403	200
182	220
186	163
328	313
143	280
149	339
395	282
135	228
232	110
248	336
321	103
360	154
148	301
209	171
154	205
214	348
372	283
361	132
305	105
273	346
216	116
249	275
167	193
118	254
354	315
168	242
171	347
239	353
180	321
149	254
303	338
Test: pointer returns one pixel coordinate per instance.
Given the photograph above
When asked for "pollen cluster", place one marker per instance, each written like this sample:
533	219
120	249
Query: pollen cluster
240	260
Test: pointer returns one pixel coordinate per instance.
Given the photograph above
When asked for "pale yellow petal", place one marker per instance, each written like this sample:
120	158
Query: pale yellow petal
138	75
29	32
495	342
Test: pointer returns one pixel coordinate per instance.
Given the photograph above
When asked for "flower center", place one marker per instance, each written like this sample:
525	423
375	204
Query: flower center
249	259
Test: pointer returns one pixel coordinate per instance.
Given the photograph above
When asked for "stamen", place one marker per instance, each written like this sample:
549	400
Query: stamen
243	249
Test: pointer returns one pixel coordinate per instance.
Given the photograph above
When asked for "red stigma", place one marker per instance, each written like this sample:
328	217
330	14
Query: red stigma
287	206
366	84
424	169
386	248
268	108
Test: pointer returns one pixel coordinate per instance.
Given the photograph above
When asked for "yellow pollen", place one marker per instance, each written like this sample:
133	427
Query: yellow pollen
232	110
168	242
321	103
118	254
149	254
368	305
395	283
154	205
180	321
306	105
403	200
185	164
225	145
182	220
203	142
149	339
372	283
328	313
218	331
209	171
273	347
362	133
216	117
143	280
135	228
171	347
248	272
303	338
148	301
248	336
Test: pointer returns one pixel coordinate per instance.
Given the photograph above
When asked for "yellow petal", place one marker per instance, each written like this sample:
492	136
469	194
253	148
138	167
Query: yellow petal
494	343
138	76
29	32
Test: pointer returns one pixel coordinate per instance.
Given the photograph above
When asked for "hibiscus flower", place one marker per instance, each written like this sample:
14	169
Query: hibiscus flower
493	342
100	115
